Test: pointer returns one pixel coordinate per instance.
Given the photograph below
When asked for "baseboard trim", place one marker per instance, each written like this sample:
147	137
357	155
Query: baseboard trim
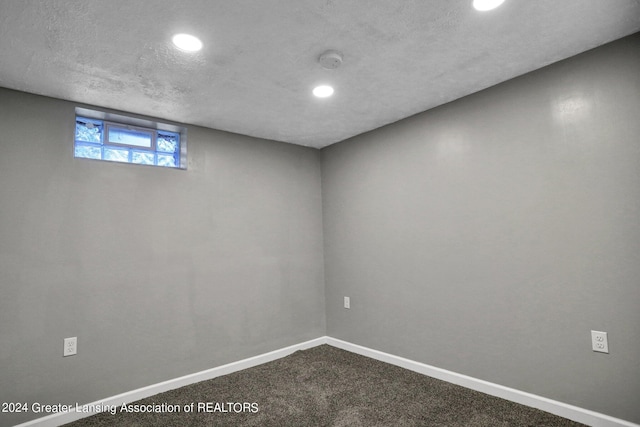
585	416
574	413
58	419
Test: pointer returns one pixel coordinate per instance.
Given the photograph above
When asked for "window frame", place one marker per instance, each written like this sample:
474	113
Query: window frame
138	124
153	134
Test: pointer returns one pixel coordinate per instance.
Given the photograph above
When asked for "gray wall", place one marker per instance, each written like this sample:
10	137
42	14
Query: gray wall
490	235
158	272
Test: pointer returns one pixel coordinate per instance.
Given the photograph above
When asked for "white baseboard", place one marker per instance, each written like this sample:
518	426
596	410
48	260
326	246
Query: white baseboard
60	418
571	412
581	415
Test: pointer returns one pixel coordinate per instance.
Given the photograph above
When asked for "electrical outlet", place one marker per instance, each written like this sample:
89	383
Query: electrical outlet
599	341
347	302
70	346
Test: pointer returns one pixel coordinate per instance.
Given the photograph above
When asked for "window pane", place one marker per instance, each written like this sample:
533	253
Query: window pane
88	130
116	154
123	136
167	142
143	158
166	160
128	142
88	151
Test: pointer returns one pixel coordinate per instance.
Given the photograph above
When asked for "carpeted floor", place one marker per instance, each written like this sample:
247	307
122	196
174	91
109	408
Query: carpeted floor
326	386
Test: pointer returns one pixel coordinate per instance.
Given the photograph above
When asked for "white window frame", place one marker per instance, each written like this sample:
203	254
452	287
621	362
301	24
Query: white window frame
139	124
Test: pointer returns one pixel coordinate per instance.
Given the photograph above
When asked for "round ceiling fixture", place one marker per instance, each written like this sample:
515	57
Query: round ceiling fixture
323	91
330	60
187	42
486	4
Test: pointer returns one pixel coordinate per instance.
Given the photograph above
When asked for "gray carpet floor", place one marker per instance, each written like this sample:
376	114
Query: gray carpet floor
326	386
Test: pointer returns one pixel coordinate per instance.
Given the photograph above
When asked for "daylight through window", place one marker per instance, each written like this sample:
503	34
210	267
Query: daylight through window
117	142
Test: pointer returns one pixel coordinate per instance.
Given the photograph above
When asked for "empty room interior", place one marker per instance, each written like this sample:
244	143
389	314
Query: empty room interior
422	182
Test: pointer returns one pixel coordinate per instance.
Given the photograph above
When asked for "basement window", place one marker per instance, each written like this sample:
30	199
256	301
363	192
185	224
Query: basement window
115	138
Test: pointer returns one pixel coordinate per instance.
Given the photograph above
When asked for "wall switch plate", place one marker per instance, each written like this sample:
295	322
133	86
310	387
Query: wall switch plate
599	341
70	346
347	302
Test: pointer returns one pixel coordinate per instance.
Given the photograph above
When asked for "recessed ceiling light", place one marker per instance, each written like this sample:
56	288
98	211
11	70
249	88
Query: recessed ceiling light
187	42
323	91
486	4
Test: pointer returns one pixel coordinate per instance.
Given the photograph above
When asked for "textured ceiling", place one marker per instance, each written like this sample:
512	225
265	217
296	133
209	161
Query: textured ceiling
259	62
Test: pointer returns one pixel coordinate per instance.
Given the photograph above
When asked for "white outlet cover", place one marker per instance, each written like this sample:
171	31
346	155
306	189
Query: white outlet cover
599	342
70	346
347	302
